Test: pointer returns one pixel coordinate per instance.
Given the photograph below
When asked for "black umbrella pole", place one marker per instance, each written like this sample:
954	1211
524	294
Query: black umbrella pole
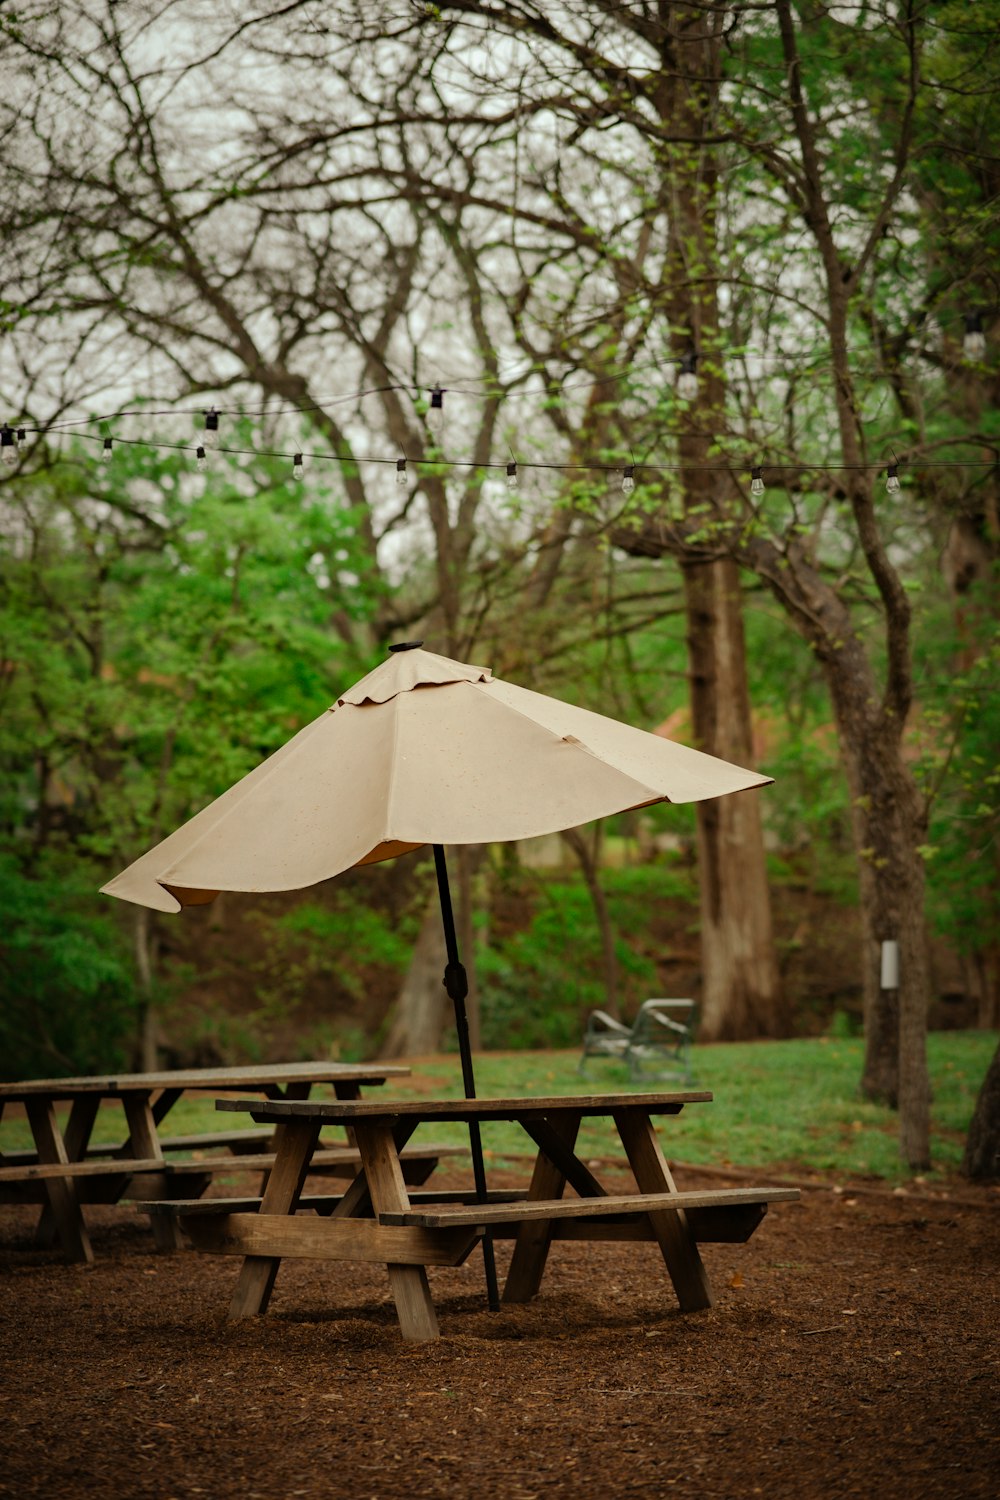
457	984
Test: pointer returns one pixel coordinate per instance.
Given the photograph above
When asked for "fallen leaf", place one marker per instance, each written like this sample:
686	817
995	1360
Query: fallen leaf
736	1279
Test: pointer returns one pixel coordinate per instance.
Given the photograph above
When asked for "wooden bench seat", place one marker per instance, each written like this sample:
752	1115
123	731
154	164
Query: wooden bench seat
182	1208
718	1215
329	1159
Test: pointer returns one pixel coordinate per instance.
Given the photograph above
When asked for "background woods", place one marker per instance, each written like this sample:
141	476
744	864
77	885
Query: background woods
700	274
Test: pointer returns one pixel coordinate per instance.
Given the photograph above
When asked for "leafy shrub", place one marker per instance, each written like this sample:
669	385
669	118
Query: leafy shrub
68	1000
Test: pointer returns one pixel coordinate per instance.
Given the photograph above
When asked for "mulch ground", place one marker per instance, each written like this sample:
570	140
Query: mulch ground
853	1351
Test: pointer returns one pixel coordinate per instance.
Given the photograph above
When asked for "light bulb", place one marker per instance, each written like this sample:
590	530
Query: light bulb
401	473
435	412
628	479
687	378
201	460
8	447
892	479
22	438
756	482
211	434
298	467
512	476
106	451
974	342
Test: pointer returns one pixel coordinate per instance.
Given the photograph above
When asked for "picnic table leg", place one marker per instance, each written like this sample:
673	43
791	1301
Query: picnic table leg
294	1143
82	1114
531	1248
144	1144
670	1226
410	1291
63	1200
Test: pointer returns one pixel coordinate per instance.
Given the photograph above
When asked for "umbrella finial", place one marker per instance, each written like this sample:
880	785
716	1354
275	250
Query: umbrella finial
406	645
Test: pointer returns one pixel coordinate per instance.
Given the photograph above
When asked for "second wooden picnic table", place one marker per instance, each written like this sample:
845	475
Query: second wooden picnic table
379	1219
67	1168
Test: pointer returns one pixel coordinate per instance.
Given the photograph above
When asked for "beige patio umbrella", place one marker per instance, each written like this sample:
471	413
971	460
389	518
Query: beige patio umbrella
424	750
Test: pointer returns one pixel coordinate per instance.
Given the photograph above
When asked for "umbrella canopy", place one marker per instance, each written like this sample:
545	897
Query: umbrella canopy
424	750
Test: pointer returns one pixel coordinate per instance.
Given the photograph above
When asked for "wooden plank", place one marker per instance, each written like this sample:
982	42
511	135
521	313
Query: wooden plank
551	1141
123	1166
677	1243
548	1179
63	1201
384	1176
251	1076
82	1114
144	1142
321	1203
314	1237
256	1279
383	1110
531	1210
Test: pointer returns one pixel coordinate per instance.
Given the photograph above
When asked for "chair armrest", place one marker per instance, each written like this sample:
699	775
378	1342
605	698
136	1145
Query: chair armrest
599	1021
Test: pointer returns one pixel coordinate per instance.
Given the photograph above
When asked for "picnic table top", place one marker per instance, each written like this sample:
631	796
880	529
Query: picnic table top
353	1110
255	1075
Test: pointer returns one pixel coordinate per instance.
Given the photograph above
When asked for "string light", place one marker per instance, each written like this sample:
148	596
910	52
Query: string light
22	438
298	467
974	342
401	473
201	460
628	479
756	482
512	475
211	436
687	378
8	448
106	451
892	479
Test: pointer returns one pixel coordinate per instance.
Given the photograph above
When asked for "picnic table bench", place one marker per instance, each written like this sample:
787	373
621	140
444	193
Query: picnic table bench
67	1169
377	1219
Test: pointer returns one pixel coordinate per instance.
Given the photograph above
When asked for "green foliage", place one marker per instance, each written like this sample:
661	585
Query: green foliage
531	996
68	1000
348	941
959	769
160	634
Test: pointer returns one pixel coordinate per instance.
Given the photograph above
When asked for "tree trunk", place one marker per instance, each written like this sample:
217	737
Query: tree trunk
589	865
741	994
982	1148
142	943
890	826
466	861
422	1010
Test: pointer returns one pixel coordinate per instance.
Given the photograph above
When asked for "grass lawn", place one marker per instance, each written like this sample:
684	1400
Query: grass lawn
790	1102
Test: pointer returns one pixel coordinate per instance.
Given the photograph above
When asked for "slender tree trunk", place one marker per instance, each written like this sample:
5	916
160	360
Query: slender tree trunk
422	1010
741	994
466	860
982	1148
142	942
590	866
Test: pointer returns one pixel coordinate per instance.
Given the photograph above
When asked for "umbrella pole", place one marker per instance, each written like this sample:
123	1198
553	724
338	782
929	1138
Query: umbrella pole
457	984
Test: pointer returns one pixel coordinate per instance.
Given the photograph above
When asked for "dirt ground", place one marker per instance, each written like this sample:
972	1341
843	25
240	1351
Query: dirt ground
853	1351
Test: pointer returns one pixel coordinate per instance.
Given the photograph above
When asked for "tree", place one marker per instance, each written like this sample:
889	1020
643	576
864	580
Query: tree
159	632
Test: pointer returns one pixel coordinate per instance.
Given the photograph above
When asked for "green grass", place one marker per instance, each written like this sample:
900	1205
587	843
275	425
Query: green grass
792	1104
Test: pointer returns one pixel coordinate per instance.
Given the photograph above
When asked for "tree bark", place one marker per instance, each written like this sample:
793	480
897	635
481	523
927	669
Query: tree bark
741	993
589	865
982	1148
422	1009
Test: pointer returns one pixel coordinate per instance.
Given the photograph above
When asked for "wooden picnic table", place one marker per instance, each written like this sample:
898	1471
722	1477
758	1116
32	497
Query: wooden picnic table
378	1218
66	1169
